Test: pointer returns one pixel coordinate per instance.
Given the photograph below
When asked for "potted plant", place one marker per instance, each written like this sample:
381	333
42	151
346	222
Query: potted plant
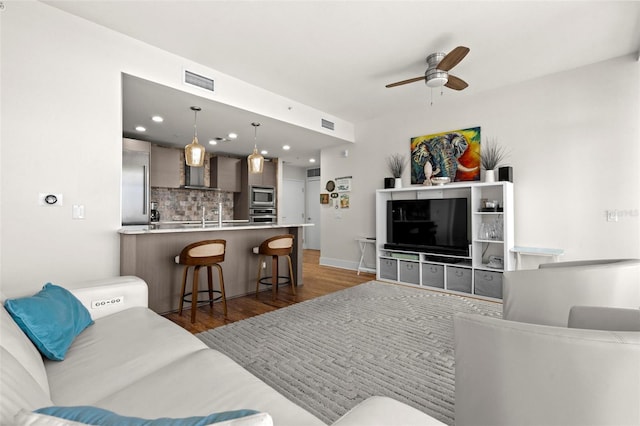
491	156
396	164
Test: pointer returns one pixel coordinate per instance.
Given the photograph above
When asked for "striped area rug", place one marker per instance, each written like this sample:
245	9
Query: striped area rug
330	353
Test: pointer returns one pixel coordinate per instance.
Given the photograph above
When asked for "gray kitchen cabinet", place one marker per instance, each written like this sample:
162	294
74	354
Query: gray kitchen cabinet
165	167
268	177
225	173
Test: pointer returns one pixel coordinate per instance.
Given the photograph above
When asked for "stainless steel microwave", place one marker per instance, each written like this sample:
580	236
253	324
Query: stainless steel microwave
262	196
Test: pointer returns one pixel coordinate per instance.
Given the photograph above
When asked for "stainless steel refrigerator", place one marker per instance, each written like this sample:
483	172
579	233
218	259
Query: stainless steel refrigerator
135	182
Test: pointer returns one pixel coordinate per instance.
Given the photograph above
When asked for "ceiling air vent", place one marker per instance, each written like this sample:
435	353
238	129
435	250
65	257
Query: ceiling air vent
313	172
198	80
327	124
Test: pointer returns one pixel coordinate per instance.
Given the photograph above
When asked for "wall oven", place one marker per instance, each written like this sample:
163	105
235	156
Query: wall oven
262	215
262	197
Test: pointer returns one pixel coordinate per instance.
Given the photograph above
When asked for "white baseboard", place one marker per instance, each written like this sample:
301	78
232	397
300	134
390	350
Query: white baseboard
339	263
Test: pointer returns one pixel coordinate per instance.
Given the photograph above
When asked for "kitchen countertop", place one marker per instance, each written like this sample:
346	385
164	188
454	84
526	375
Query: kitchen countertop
149	252
173	227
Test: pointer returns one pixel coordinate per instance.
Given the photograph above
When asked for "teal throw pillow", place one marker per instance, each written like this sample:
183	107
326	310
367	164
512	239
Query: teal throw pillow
98	416
52	319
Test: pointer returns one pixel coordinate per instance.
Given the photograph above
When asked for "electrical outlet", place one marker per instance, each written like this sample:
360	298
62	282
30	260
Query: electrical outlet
98	304
264	265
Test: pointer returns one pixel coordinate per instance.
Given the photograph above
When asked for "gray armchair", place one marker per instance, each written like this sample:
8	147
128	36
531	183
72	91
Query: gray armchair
512	373
546	295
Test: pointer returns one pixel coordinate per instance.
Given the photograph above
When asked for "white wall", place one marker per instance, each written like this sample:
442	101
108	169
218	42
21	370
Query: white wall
574	139
61	132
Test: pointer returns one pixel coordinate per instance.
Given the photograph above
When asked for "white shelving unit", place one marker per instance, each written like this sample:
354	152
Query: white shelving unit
491	236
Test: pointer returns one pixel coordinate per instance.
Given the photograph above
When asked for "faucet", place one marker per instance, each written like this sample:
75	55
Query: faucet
203	221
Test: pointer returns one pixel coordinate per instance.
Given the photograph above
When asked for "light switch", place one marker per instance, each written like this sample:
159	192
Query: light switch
78	211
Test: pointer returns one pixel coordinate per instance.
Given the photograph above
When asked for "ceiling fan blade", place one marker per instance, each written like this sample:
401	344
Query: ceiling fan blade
456	83
453	58
411	80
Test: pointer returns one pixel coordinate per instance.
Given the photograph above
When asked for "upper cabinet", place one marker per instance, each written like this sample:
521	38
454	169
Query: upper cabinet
266	178
165	167
225	173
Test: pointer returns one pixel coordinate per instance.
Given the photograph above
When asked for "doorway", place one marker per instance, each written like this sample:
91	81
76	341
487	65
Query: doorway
293	203
312	233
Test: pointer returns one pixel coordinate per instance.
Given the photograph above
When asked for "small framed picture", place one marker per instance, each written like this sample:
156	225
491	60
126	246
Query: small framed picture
324	198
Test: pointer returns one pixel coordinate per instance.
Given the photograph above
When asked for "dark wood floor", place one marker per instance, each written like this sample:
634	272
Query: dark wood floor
318	281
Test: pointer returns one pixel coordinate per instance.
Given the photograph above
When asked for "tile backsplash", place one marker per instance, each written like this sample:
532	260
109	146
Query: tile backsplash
176	204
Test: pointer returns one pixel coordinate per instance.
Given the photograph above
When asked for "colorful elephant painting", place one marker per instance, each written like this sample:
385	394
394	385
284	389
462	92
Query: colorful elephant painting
453	154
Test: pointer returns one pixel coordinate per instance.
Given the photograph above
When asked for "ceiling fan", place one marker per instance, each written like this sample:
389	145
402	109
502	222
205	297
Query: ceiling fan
437	73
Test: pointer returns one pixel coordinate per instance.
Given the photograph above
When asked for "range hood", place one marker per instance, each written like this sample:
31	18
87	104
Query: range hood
194	178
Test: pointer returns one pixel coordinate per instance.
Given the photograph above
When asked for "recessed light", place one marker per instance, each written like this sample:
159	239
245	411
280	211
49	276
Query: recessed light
264	152
213	142
286	147
232	135
312	160
141	129
157	119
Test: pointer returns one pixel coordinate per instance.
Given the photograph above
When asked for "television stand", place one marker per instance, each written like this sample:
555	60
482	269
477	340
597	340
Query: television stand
491	234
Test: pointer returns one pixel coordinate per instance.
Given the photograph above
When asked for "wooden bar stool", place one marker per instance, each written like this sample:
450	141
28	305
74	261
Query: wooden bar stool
280	245
203	253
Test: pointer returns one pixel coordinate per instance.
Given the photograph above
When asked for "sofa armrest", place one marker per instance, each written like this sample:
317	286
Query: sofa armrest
383	411
603	318
99	296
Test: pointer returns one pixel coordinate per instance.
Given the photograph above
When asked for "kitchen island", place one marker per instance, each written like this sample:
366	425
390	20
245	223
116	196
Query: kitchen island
149	251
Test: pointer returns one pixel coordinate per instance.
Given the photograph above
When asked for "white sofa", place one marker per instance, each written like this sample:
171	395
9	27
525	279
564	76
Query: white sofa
136	363
545	295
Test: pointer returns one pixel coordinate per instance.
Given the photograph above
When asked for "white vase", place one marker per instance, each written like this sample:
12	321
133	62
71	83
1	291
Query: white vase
398	183
489	175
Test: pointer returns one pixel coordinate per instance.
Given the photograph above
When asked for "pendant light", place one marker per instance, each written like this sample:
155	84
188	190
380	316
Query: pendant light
255	160
194	152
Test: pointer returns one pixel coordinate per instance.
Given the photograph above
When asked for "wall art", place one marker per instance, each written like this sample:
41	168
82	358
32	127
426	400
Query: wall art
343	184
454	154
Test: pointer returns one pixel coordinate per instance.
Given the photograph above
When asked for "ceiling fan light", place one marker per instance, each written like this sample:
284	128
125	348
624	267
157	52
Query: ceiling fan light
436	78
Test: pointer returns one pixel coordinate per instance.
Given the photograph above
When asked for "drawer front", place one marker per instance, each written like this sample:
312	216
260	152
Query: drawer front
389	269
409	272
433	275
488	284
459	279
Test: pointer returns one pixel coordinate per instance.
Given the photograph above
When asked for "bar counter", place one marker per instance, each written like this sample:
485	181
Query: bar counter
149	251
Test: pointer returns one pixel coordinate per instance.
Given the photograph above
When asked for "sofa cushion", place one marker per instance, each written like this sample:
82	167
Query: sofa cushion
202	382
19	389
69	416
52	318
115	352
604	318
18	344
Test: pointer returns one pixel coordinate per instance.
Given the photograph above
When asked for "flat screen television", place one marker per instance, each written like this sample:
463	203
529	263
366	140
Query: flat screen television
437	226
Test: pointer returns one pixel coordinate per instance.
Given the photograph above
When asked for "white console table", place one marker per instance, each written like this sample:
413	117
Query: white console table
363	243
536	251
